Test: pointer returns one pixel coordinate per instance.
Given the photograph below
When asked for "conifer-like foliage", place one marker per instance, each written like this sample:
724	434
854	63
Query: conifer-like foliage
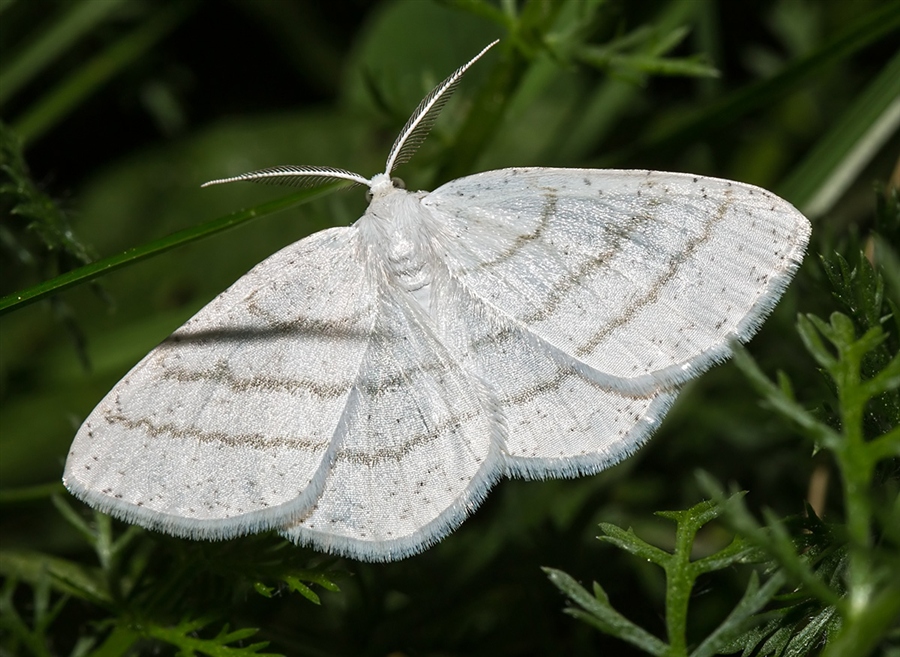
762	519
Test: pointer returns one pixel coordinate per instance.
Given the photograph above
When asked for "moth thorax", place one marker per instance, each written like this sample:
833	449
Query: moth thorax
409	261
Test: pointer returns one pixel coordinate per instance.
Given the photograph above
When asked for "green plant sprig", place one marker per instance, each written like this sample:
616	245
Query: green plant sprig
139	604
870	595
681	576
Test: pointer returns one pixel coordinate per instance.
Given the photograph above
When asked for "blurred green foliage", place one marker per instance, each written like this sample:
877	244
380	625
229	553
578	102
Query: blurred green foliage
114	111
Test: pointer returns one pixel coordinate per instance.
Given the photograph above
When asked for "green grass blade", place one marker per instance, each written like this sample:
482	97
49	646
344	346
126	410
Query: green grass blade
870	28
138	253
837	159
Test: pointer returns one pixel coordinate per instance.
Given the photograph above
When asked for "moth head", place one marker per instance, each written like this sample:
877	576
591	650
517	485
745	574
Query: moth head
381	184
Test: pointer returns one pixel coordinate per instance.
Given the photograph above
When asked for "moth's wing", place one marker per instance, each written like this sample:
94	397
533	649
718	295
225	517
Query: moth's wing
228	426
561	420
643	277
420	446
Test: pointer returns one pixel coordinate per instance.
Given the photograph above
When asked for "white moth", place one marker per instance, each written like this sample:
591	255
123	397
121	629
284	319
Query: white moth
362	389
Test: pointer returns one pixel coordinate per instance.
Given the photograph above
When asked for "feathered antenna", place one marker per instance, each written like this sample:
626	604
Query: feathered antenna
413	133
293	176
423	118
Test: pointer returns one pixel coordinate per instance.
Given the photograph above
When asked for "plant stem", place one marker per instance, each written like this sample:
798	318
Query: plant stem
680	578
856	470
